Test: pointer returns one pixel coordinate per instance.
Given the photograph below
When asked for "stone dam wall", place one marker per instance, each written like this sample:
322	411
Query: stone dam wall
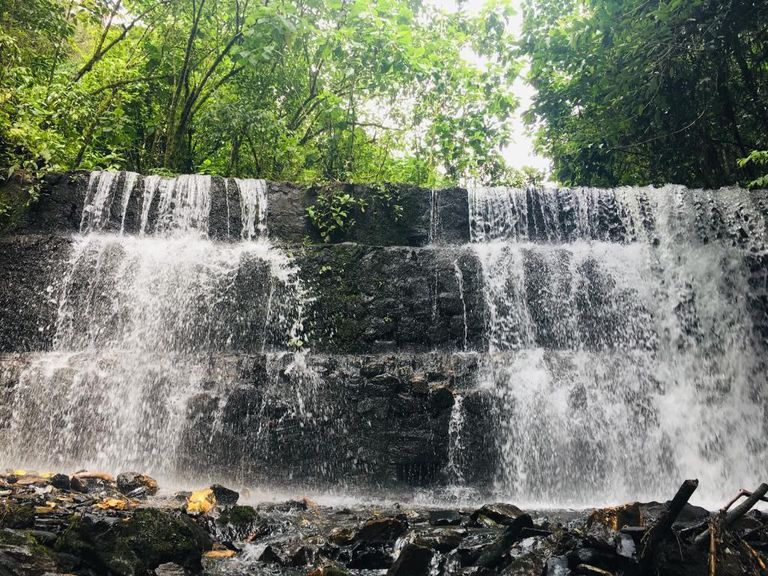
407	351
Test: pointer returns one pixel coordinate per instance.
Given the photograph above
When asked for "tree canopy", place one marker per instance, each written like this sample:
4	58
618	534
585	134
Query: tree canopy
649	91
628	91
299	90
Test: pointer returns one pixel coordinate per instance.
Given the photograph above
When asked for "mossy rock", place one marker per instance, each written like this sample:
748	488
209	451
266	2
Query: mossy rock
236	522
136	545
17	515
239	517
22	555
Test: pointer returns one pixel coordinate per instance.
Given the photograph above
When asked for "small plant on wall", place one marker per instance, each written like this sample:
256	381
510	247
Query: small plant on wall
333	212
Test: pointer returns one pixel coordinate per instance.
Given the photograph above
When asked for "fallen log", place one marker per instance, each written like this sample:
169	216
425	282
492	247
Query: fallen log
663	526
737	512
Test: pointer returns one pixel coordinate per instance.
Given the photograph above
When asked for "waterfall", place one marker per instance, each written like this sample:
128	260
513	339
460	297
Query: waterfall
460	285
253	204
139	318
185	203
621	351
455	426
434	216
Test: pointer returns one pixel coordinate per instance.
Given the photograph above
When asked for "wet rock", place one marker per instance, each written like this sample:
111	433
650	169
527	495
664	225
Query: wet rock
60	481
625	545
20	555
689	516
495	553
328	570
370	557
273	554
557	566
616	517
414	560
341	536
445	517
237	523
135	485
240	517
90	485
499	513
443	541
529	556
169	569
17	515
604	559
224	495
472	547
381	530
441	398
295	554
147	539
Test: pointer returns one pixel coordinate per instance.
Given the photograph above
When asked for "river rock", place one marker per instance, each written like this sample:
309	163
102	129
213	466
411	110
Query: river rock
442	540
148	538
381	530
499	513
60	481
414	560
224	495
169	569
445	517
494	554
134	484
366	556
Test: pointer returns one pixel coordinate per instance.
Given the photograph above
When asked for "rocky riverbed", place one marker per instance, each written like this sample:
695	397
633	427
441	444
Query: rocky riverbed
91	523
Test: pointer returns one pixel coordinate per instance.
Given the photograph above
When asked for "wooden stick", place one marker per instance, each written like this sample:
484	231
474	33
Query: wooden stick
656	533
737	512
741	493
714	535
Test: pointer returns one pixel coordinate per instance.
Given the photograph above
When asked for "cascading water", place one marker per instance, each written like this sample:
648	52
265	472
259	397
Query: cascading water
621	351
253	204
138	320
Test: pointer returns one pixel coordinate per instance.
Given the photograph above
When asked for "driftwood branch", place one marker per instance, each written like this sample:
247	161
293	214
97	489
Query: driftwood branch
663	526
741	494
715	526
738	511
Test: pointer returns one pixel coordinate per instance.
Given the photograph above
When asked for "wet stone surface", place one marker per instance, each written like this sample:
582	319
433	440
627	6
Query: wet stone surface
87	525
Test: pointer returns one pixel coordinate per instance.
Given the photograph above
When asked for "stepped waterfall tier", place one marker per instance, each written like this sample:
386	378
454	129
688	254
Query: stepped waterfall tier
547	346
621	344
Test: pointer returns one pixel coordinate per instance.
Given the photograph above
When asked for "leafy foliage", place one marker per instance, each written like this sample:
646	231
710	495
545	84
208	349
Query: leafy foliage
303	90
757	158
638	91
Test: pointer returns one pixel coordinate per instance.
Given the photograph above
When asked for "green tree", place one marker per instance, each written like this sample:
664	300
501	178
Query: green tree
304	90
642	91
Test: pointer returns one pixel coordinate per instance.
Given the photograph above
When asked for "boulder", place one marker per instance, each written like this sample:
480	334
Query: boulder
224	495
445	517
136	485
136	545
414	560
499	513
493	555
381	530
